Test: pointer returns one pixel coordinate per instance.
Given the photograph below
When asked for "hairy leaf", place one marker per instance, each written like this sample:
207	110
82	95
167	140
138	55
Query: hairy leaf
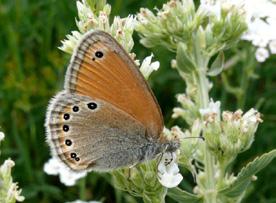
245	176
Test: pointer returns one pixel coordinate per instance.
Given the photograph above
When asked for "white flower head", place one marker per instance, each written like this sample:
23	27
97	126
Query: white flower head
178	112
168	171
2	136
213	108
7	166
260	17
90	19
9	189
69	44
250	120
66	176
148	67
262	54
261	22
272	46
14	193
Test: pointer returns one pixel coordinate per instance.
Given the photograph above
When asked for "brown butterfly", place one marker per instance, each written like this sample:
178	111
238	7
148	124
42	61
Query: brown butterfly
107	116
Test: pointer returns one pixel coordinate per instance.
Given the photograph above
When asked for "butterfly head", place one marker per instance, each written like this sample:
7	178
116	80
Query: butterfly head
172	145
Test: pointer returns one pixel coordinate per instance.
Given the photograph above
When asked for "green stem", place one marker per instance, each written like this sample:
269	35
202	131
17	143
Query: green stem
82	189
209	162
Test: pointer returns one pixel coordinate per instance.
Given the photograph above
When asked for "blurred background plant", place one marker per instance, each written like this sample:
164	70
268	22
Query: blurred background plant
32	70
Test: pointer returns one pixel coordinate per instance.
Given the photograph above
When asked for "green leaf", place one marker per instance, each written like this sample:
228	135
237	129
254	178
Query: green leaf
180	195
184	62
217	66
244	178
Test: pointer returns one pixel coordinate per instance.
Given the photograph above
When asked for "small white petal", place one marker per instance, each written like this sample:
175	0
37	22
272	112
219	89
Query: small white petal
177	112
261	54
52	167
213	107
2	136
272	46
66	176
147	67
69	177
171	180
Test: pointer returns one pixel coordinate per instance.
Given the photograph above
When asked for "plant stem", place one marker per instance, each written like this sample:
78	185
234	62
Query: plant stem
209	162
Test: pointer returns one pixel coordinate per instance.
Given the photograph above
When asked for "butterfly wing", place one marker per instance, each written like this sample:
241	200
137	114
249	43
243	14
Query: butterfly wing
87	133
100	68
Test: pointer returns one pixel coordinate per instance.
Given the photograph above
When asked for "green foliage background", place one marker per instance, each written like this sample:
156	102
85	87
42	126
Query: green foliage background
32	71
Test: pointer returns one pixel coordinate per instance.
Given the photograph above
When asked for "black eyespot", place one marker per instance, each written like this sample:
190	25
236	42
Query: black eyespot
68	142
66	116
73	155
75	108
77	158
65	128
92	105
93	59
99	54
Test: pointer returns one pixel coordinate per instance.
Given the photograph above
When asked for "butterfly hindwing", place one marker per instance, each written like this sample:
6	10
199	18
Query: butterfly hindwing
88	133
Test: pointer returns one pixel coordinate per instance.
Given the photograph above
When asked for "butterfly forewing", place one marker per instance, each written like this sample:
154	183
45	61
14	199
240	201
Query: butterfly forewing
100	68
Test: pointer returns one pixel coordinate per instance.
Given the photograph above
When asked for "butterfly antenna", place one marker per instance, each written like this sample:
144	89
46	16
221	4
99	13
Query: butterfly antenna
199	137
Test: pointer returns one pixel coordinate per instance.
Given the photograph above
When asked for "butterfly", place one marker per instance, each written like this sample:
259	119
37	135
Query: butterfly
107	117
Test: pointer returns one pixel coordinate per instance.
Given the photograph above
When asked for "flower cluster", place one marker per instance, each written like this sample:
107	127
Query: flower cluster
261	21
230	133
188	110
179	21
96	16
260	18
9	191
99	19
66	176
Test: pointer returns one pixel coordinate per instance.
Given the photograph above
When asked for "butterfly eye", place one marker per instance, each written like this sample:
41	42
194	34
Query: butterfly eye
65	128
75	108
68	142
99	54
66	116
92	105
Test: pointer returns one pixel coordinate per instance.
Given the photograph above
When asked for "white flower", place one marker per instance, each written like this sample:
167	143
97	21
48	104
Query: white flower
212	8
262	54
272	46
122	29
178	112
2	136
213	108
69	44
148	67
6	167
168	171
66	176
14	192
9	189
250	120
